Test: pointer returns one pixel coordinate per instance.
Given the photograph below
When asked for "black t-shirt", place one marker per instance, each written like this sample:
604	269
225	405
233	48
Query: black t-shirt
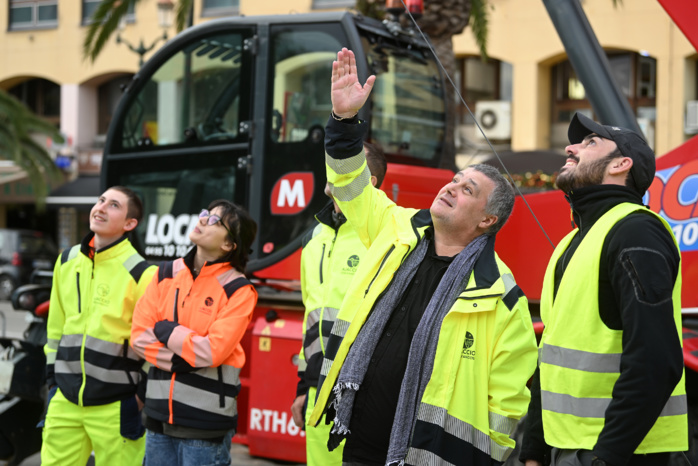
376	401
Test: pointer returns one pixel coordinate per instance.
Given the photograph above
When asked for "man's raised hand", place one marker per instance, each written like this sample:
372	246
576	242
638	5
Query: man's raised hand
348	95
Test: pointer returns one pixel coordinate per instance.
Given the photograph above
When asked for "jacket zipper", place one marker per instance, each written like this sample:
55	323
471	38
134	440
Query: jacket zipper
322	259
175	317
128	374
79	300
636	276
390	251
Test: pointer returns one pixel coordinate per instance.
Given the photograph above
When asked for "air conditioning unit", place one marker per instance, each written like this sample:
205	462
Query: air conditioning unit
494	117
691	117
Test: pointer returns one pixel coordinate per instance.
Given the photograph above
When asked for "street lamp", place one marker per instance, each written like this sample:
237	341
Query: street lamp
165	8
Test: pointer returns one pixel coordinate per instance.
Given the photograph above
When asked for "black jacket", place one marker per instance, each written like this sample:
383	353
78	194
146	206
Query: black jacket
638	269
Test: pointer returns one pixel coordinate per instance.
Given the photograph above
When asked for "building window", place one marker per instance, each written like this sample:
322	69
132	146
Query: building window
635	74
108	96
477	80
327	4
220	7
90	6
33	14
43	98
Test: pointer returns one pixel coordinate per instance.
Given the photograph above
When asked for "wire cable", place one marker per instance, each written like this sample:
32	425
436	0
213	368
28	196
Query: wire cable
455	88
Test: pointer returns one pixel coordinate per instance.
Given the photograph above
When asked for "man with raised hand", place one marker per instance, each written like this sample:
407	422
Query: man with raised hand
428	359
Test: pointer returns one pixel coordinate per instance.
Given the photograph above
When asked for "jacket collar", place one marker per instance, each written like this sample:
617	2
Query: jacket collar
106	252
208	267
588	204
327	216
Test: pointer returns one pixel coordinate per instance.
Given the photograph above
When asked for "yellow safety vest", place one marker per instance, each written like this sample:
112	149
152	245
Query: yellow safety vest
580	356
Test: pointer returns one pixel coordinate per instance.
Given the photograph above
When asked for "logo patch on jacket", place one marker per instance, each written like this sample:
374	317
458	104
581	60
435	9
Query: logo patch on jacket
208	301
469	342
101	295
352	263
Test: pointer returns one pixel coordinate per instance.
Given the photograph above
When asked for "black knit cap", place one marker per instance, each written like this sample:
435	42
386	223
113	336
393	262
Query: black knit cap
629	143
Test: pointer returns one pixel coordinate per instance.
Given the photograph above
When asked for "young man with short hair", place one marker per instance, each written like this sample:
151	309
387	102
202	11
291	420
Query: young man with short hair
96	380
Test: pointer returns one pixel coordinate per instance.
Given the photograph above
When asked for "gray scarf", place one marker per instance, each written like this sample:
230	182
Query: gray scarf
420	361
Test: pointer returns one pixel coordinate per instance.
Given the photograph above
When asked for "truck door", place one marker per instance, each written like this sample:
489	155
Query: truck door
179	136
297	108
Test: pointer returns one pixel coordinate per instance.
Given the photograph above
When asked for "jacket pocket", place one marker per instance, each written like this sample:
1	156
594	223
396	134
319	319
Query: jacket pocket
131	421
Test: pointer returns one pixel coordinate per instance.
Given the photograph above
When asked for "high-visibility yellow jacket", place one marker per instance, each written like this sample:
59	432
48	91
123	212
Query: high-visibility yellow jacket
89	324
486	350
331	255
580	356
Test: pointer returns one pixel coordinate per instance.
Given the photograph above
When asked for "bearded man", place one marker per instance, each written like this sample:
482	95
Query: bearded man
609	388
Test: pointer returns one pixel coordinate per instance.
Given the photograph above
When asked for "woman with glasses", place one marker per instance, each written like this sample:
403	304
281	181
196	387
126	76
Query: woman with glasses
188	325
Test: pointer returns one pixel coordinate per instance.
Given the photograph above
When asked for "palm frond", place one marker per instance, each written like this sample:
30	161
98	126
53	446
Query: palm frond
479	24
105	20
184	13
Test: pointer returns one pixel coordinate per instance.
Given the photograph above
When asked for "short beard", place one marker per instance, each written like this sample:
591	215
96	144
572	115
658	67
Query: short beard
591	175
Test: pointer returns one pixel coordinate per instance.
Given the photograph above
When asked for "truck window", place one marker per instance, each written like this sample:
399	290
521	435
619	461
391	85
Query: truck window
407	112
298	108
194	96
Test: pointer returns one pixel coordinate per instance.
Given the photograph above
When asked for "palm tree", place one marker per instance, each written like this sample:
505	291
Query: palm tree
18	127
106	17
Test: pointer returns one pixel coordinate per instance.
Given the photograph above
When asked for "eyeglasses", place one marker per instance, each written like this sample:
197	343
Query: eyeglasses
213	219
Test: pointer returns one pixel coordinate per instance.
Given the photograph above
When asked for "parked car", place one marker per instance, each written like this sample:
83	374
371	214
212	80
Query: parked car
21	252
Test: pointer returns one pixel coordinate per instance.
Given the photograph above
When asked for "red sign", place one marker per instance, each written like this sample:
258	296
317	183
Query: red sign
292	193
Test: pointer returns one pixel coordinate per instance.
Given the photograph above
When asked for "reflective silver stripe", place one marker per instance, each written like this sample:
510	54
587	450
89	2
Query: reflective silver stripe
74	252
502	424
52	344
313	318
111	375
132	261
330	314
67	367
509	283
462	430
344	166
51	357
158	389
312	348
96	372
71	340
596	407
417	457
194	397
354	188
203	400
302	365
340	327
326	364
109	348
580	360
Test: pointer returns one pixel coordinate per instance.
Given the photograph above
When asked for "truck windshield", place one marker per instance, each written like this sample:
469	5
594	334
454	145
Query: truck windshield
407	114
193	96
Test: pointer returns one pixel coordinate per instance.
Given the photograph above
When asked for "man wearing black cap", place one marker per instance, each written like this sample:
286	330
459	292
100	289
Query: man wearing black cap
609	388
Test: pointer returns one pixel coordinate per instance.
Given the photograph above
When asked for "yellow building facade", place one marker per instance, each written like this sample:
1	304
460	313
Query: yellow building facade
41	62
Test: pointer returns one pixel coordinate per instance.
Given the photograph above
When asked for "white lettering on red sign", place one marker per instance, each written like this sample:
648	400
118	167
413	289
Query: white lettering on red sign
269	420
292	193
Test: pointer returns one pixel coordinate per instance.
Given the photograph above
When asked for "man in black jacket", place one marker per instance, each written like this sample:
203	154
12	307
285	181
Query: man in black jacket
609	389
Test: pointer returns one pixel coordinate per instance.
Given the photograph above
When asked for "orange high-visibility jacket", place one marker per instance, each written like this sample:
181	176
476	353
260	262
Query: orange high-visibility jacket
190	329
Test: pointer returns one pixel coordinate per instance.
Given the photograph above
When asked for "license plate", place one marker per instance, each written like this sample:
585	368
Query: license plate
6	370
